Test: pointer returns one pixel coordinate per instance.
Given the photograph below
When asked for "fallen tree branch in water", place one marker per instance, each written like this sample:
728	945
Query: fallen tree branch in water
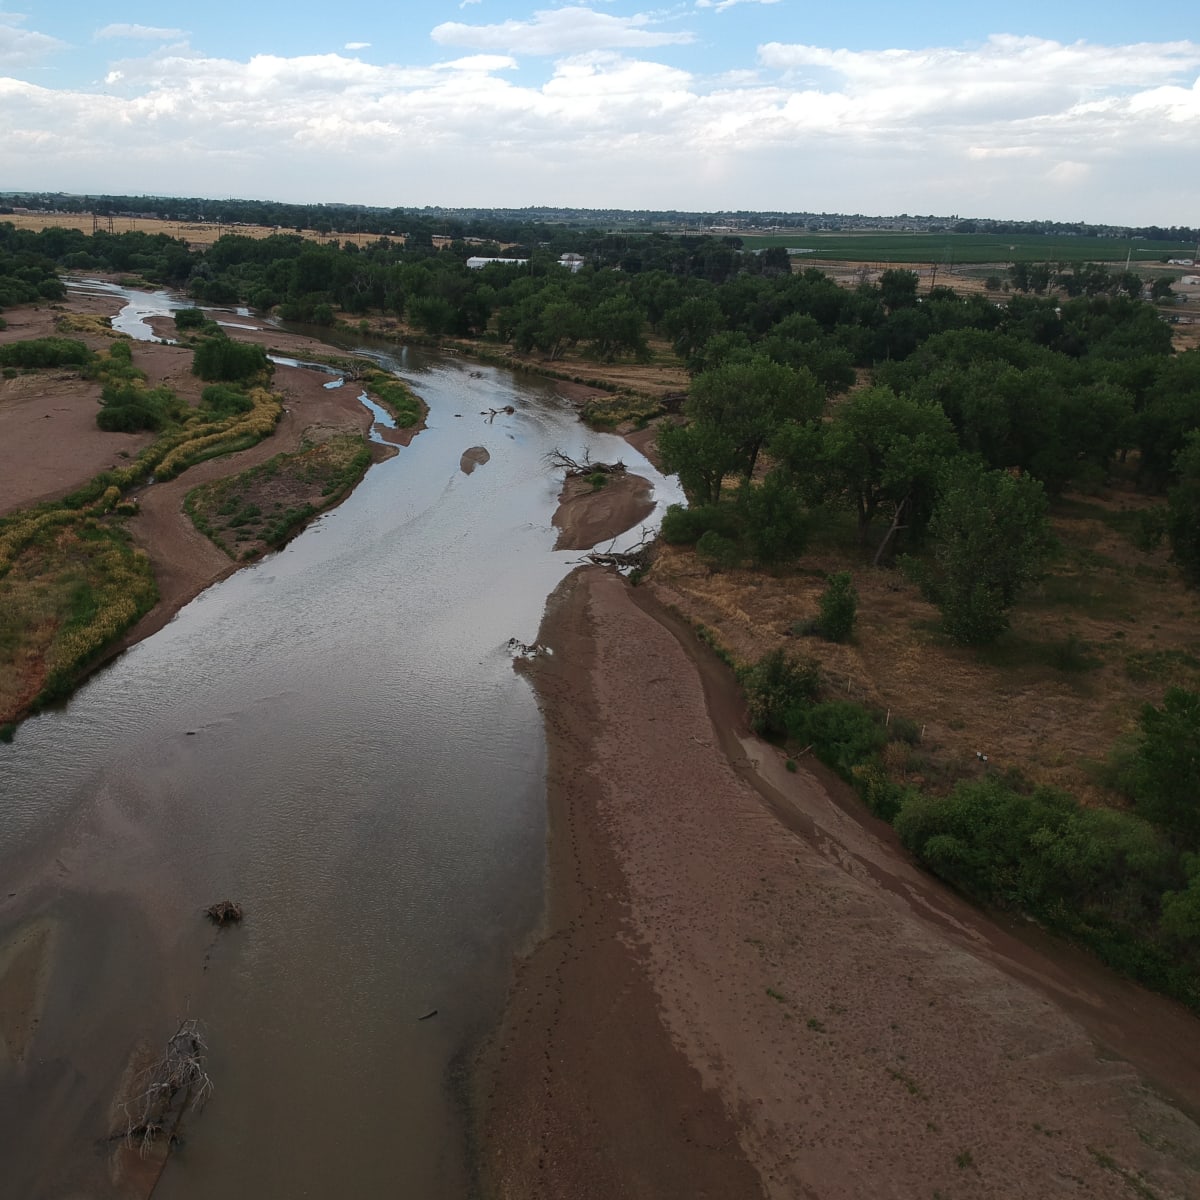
559	460
636	558
169	1087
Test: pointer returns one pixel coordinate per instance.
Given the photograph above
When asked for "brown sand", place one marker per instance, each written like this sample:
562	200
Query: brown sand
472	457
588	515
746	988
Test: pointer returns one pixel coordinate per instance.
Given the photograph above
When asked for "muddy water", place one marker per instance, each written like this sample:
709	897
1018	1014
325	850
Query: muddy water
336	739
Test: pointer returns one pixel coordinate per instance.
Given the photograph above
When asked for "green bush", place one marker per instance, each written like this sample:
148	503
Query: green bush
843	734
721	553
190	318
838	609
774	520
130	408
777	687
220	359
46	352
224	400
685	526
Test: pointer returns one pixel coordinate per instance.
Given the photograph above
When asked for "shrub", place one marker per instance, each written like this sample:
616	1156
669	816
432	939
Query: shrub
129	408
221	359
777	687
686	526
774	519
46	352
190	318
721	553
843	734
225	400
838	609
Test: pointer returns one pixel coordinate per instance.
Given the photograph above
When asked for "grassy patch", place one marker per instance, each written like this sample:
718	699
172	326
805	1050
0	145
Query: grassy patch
69	591
265	506
406	408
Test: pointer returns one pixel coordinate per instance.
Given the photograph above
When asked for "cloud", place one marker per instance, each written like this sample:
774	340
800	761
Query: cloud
18	47
357	46
1012	127
722	5
561	31
143	33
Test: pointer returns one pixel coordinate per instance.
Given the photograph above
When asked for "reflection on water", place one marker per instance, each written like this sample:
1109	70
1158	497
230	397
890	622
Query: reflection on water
335	738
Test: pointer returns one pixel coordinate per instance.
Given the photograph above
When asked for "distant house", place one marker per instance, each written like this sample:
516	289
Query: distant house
478	263
573	262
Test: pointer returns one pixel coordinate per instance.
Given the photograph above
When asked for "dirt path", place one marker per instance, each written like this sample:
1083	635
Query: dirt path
740	975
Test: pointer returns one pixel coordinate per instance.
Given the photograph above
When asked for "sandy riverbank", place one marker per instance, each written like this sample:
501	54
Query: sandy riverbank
745	988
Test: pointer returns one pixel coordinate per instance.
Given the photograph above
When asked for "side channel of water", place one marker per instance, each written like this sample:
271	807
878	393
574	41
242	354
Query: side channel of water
335	738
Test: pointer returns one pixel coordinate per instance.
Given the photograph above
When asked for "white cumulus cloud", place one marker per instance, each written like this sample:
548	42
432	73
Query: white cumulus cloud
1011	127
722	5
18	47
143	33
558	31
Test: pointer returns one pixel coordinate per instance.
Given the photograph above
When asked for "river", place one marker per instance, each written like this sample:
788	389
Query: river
335	738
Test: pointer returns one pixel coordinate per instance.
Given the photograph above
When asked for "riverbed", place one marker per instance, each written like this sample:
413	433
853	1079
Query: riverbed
335	738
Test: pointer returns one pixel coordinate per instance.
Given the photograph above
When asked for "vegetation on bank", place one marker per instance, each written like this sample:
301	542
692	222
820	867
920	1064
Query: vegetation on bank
1125	883
265	506
71	581
396	396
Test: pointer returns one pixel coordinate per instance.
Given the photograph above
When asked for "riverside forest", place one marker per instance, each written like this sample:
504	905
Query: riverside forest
942	527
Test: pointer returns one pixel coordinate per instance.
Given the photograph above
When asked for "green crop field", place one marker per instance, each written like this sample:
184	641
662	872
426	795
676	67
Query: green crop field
955	248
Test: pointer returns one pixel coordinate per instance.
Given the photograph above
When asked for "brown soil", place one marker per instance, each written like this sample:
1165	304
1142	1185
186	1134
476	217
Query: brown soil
741	969
588	515
472	457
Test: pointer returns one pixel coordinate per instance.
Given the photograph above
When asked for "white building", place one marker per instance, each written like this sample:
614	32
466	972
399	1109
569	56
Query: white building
478	263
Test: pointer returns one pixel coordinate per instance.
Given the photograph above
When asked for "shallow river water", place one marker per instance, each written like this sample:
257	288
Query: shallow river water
335	738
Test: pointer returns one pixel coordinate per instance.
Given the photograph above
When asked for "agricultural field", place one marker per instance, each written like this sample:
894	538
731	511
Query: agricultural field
961	248
197	235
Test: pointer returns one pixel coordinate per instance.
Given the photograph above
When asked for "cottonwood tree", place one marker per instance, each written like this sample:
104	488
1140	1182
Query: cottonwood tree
880	452
992	539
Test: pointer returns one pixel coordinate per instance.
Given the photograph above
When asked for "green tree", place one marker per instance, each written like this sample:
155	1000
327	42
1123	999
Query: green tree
992	539
219	359
692	323
839	608
615	327
884	452
1183	510
701	454
1165	772
749	401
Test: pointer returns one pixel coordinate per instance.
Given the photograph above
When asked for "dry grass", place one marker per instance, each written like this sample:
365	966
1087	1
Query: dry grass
195	234
1109	629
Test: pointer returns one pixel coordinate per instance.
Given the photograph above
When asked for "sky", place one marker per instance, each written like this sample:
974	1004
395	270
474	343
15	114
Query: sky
1058	110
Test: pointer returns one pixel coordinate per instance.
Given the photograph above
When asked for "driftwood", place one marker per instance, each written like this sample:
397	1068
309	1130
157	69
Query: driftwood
493	413
561	461
225	912
169	1088
519	649
636	558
